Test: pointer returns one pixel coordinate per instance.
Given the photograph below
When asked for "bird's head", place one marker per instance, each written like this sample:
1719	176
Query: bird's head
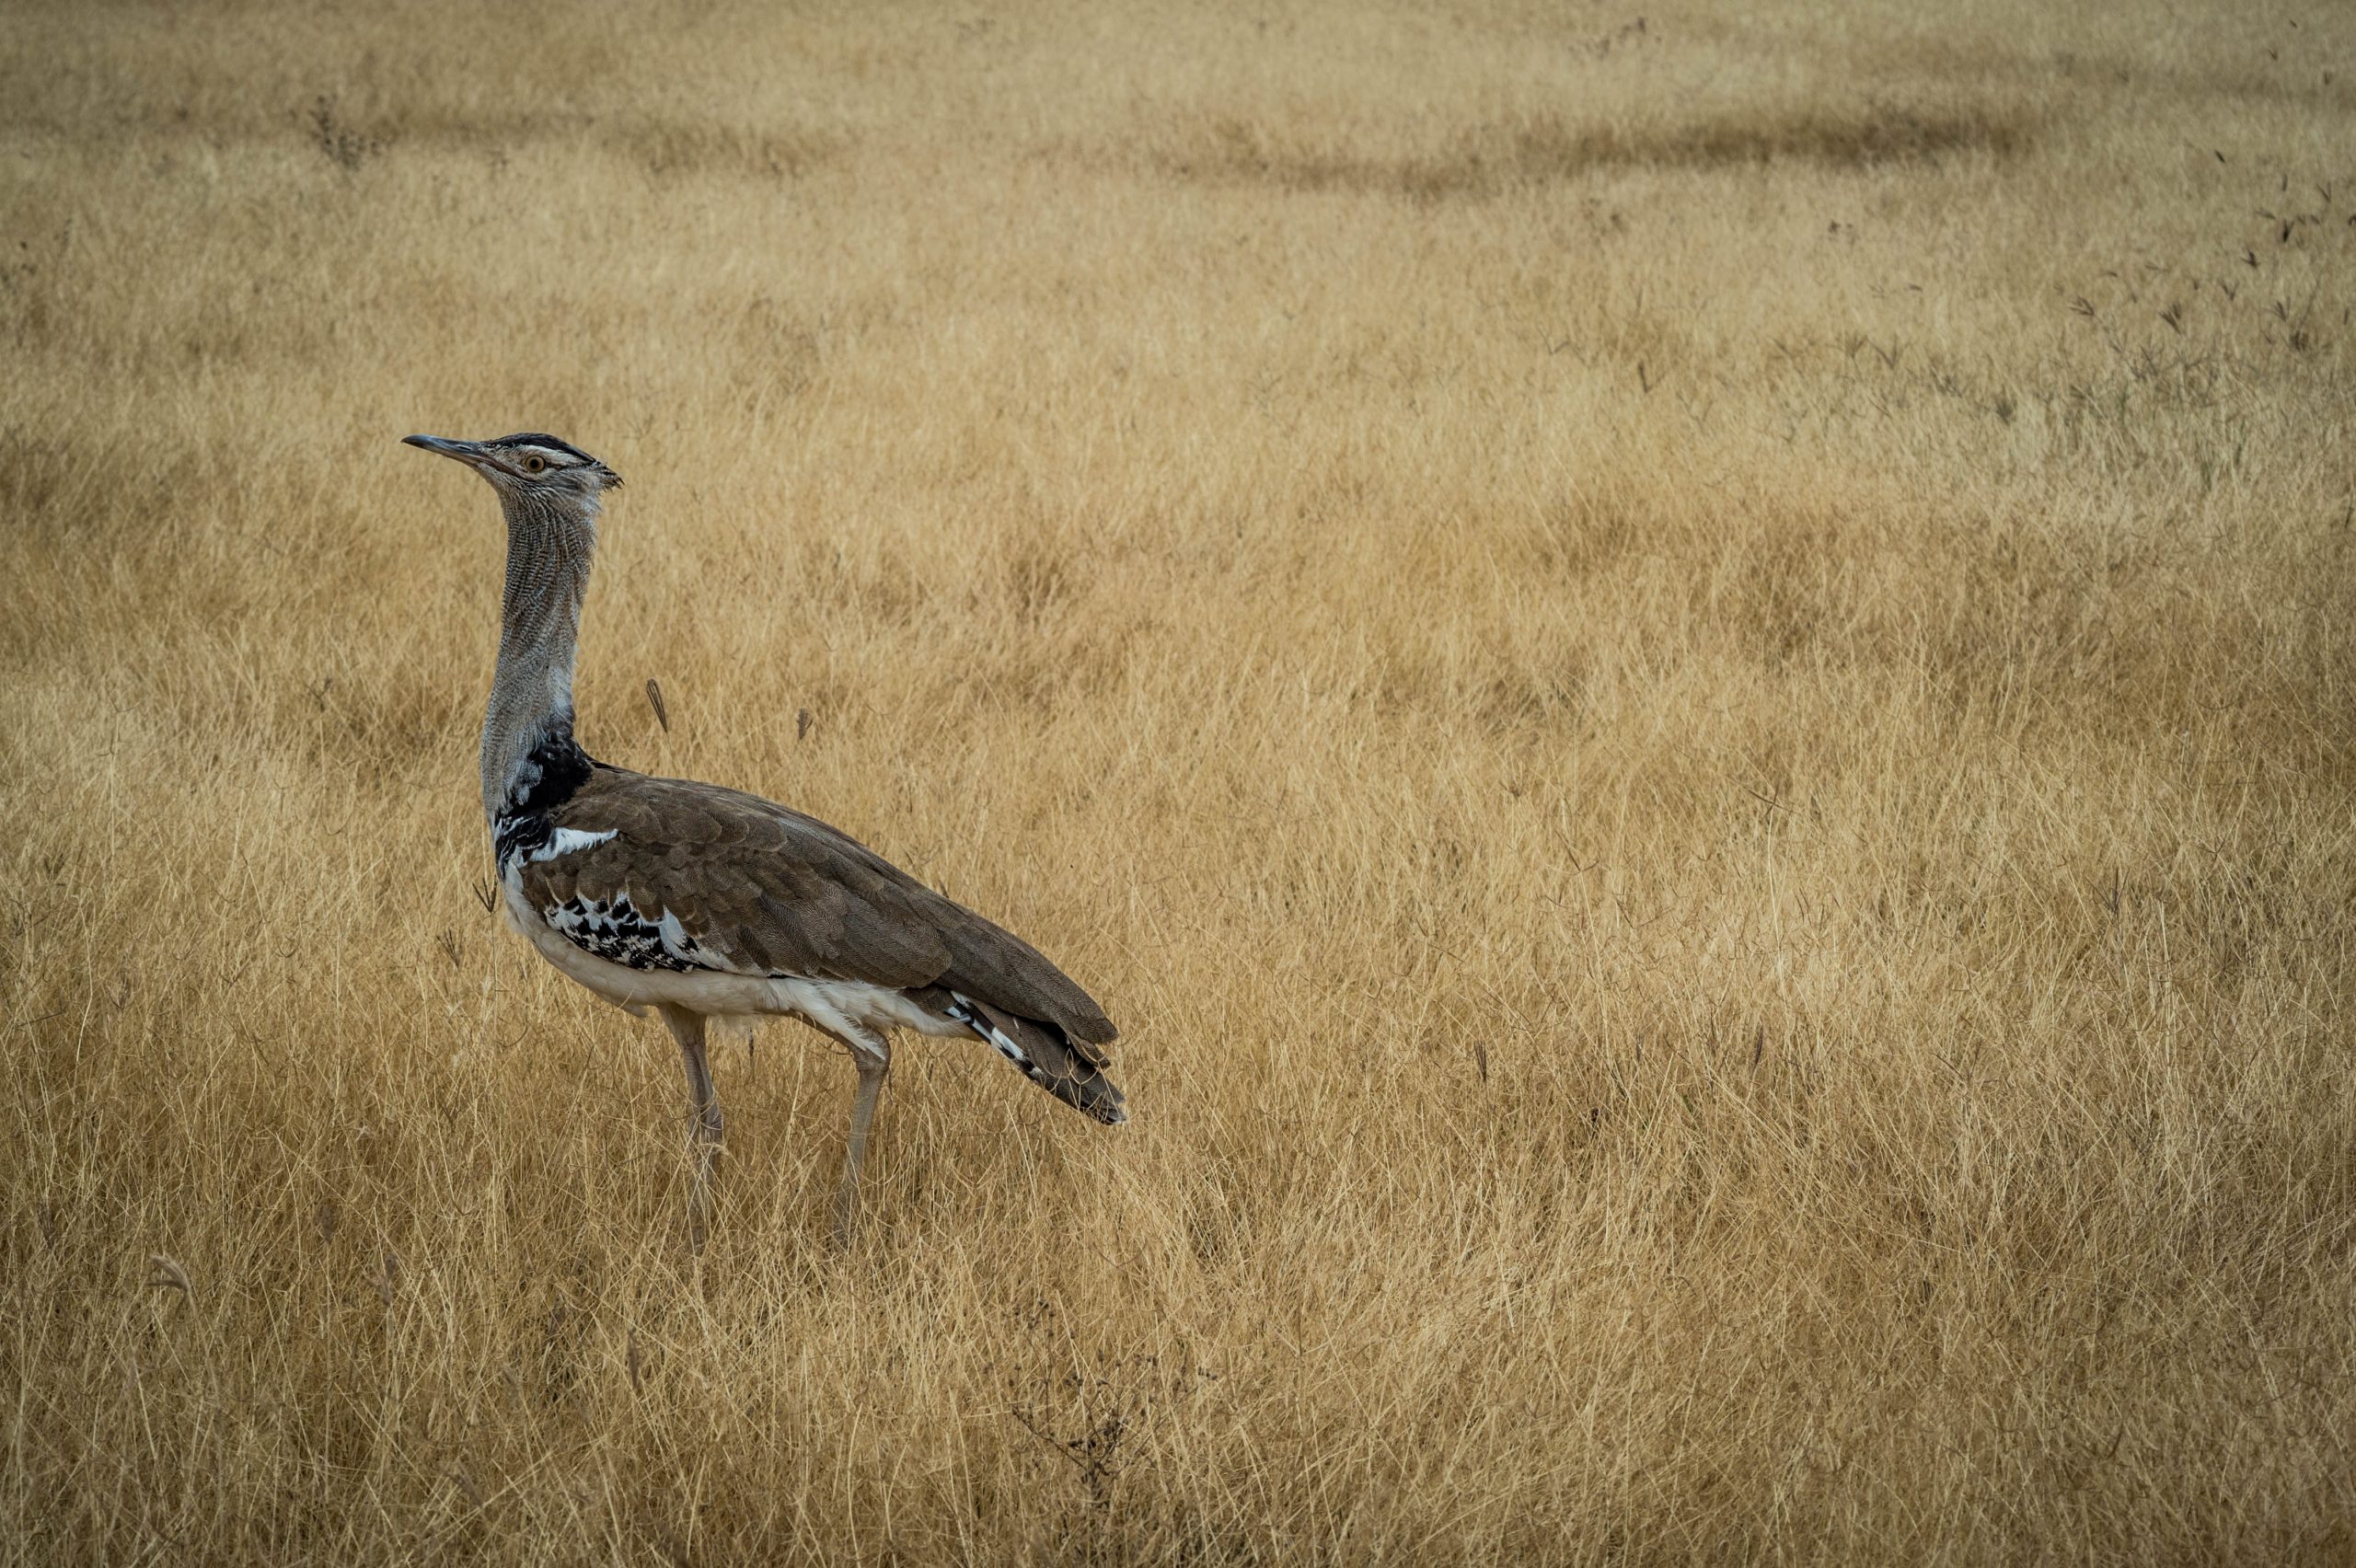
538	470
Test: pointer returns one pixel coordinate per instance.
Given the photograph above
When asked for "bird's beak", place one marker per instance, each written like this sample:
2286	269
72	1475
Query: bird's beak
474	454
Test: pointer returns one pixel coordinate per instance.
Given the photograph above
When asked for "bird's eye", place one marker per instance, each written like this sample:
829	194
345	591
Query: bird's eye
534	465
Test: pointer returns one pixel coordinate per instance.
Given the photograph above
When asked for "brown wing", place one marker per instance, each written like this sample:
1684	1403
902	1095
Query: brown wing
760	889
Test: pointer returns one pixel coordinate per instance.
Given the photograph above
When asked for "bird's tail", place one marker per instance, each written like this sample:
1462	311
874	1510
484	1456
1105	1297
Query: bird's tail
1046	1058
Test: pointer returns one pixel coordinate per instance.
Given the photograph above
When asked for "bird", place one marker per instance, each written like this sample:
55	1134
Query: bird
696	901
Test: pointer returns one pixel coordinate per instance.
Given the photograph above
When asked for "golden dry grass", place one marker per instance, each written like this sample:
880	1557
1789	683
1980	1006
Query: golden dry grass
1689	684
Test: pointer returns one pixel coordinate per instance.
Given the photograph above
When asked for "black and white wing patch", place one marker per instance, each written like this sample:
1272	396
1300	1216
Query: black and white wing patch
615	930
611	926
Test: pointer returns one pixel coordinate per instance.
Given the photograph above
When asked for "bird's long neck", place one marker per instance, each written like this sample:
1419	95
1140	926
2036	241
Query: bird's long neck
527	745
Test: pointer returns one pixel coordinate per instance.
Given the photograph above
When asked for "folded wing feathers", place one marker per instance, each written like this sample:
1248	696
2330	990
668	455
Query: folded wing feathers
1046	1057
767	890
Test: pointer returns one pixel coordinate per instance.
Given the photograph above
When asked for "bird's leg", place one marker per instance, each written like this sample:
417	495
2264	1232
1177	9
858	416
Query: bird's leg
703	1130
873	1066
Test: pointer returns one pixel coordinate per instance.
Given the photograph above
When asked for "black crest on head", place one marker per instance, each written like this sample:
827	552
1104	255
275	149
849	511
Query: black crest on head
541	438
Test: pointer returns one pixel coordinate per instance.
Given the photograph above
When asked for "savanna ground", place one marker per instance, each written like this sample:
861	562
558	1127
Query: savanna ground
1686	679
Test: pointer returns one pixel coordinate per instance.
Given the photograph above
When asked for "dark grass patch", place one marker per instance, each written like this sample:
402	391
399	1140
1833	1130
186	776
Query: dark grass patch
1494	158
666	148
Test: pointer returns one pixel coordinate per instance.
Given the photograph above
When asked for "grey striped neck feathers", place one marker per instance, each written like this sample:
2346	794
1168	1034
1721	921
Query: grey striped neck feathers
530	761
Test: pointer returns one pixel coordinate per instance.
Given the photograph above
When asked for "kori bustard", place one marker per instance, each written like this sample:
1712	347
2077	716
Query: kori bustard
698	901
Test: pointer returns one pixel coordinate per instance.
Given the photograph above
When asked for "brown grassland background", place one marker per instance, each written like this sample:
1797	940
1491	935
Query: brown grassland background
1686	674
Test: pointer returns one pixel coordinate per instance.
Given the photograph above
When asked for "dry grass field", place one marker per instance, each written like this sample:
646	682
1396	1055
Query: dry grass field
1686	674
